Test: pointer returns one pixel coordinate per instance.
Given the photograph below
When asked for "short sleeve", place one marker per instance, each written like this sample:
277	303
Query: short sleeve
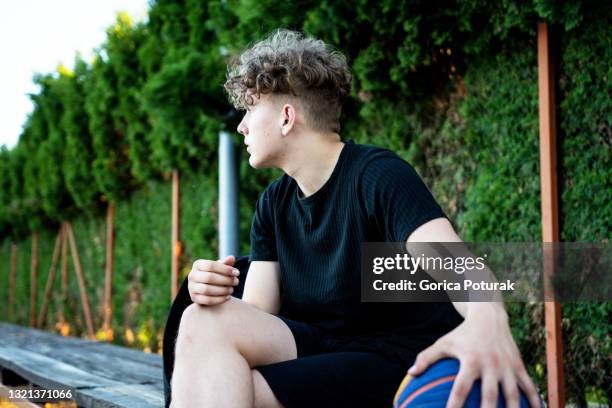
396	199
263	241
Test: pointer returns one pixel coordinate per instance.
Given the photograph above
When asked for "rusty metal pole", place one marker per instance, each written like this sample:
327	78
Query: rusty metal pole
33	278
550	213
176	243
108	275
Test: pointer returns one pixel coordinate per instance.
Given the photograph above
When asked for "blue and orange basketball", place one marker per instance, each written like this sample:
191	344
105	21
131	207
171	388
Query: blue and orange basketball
432	389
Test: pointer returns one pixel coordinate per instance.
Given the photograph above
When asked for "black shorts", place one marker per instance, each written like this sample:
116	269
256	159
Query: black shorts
333	371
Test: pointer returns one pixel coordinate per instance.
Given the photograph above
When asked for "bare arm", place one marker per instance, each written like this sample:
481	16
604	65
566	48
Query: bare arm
483	343
439	230
262	286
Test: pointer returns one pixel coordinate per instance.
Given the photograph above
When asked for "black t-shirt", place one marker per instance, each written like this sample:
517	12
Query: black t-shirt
372	195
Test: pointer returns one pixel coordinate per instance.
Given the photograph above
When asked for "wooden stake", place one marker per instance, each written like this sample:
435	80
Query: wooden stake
33	278
42	315
108	275
550	213
64	270
176	243
12	276
81	280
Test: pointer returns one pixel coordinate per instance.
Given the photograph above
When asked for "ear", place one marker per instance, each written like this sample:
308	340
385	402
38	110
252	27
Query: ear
288	118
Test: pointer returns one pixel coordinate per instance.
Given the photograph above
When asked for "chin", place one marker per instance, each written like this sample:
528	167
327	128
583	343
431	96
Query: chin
254	163
258	164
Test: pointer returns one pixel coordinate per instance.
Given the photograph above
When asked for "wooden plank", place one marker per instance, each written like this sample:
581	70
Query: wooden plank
132	396
42	315
154	360
33	278
108	273
113	366
89	390
81	280
123	377
97	362
38	340
13	335
48	372
550	213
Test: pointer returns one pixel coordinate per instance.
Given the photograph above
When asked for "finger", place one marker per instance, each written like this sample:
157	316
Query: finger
213	278
462	386
210	290
511	391
229	260
209	300
427	357
215	266
529	388
489	390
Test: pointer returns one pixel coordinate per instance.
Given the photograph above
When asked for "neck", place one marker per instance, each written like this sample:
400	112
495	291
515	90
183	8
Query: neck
311	161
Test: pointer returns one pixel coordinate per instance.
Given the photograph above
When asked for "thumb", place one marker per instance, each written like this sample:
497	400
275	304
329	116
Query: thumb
427	357
228	260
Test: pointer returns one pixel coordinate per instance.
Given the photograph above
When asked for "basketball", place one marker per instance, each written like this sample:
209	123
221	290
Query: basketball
432	389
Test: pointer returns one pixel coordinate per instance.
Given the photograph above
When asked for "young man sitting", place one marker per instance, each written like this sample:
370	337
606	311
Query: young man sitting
300	336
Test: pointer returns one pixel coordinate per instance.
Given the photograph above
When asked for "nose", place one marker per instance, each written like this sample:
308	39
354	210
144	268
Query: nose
242	129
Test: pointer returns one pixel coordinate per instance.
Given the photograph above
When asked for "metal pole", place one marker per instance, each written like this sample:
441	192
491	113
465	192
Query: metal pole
228	197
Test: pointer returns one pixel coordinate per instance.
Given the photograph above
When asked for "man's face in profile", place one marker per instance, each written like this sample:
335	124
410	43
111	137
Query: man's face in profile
261	128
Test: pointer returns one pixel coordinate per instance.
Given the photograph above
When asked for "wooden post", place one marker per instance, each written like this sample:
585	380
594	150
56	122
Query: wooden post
12	276
550	213
108	275
64	270
33	278
81	280
176	243
42	316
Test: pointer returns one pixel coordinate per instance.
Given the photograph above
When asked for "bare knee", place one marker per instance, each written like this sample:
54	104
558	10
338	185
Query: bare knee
263	396
201	324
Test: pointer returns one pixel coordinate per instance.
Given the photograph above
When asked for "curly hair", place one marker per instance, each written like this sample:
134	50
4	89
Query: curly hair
294	65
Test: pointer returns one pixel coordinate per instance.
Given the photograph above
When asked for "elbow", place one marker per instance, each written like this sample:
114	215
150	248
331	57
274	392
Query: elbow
264	306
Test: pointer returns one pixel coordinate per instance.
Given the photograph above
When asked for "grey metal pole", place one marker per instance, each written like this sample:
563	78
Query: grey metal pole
228	197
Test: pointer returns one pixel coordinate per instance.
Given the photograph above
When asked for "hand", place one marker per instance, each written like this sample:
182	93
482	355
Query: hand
484	346
211	282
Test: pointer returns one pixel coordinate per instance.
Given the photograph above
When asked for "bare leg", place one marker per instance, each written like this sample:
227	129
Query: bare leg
216	348
263	395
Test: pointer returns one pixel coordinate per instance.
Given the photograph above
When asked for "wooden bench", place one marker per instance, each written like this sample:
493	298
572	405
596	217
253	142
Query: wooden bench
100	374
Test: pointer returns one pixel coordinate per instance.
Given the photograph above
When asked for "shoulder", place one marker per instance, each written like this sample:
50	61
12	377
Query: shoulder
373	162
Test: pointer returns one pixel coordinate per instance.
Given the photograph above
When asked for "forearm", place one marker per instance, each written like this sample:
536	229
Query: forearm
261	302
262	286
479	309
475	303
